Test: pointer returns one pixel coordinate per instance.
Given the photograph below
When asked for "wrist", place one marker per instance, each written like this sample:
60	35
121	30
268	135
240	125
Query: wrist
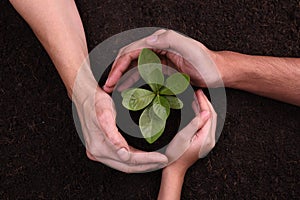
232	67
81	90
84	85
175	170
223	74
171	183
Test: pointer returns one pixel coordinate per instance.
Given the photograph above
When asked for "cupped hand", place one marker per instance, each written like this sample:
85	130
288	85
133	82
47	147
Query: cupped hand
190	57
103	141
196	139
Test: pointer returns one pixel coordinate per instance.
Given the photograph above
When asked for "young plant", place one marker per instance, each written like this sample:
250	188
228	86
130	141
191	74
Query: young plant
158	101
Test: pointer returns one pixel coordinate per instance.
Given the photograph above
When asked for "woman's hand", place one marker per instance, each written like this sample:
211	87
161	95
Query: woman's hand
198	138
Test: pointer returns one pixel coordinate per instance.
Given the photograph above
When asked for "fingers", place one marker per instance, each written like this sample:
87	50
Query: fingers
205	138
159	32
115	142
141	157
202	100
123	60
183	138
170	40
195	106
210	140
119	67
127	168
138	161
107	125
128	80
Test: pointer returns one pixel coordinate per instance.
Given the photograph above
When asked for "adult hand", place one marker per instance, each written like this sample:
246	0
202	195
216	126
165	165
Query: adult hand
191	57
197	138
103	141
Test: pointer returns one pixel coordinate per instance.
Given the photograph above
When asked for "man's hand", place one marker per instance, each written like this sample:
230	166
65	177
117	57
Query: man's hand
191	57
268	76
103	141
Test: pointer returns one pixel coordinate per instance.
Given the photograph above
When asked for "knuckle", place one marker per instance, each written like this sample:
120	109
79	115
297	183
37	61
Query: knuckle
90	156
133	161
170	32
160	31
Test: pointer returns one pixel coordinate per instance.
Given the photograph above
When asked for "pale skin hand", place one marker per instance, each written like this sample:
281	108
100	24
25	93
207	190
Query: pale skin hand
272	77
58	26
173	174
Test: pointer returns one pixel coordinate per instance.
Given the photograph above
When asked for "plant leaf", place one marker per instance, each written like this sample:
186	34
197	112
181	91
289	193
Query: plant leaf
165	91
152	139
161	107
175	102
137	98
147	56
151	125
127	92
176	83
155	80
150	69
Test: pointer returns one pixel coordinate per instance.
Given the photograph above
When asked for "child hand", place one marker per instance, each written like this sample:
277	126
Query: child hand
198	138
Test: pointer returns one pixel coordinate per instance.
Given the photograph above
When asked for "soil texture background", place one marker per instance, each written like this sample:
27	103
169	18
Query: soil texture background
42	157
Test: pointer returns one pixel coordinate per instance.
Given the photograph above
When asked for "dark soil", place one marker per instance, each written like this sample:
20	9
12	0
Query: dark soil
42	157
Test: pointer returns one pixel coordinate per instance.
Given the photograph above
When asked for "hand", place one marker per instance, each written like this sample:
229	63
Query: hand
198	138
182	140
103	141
191	57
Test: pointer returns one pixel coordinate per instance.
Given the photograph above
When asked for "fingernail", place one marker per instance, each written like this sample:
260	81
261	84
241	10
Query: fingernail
152	39
123	154
204	115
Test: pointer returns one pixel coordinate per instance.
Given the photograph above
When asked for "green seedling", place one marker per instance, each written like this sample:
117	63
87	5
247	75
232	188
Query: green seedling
158	101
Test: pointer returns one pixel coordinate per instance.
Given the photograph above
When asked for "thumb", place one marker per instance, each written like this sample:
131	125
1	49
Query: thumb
172	41
106	122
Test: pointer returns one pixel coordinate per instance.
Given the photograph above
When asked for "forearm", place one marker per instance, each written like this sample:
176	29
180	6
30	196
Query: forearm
58	26
171	183
272	77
